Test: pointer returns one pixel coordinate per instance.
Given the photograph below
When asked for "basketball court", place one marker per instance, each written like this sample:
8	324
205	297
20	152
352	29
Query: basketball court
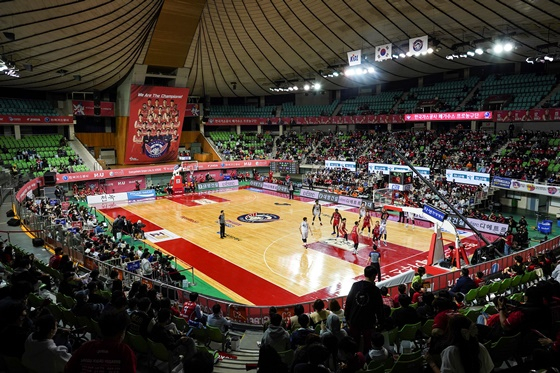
262	260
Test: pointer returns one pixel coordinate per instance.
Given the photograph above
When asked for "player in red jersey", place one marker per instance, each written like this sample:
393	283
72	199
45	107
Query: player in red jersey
355	237
335	221
342	231
367	223
376	233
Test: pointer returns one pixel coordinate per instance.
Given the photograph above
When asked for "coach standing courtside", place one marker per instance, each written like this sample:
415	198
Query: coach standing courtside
222	220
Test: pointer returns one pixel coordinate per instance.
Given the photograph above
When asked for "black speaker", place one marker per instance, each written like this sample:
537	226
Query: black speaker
37	242
50	178
13	222
97	110
10	214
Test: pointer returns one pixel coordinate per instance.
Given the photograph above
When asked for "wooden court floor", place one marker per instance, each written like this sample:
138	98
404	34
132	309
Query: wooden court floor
265	263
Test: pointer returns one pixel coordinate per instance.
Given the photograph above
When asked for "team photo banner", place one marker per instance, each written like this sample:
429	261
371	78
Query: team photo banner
533	115
155	123
467	177
386	168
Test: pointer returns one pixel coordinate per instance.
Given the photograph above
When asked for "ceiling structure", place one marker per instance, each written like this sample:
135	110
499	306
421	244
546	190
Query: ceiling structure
245	47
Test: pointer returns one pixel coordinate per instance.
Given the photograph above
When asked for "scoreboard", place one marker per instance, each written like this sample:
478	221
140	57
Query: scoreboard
284	167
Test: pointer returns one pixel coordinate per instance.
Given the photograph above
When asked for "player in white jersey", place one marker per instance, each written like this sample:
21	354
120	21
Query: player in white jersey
363	211
304	230
316	210
383	231
409	219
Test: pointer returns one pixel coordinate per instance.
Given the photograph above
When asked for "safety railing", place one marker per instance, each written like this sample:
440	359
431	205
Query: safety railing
56	236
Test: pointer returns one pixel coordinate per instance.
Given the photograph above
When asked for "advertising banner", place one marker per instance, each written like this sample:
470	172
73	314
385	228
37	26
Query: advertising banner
387	168
341	164
533	115
155	123
81	107
35	120
467	177
433	212
141	194
434	117
527	187
30	186
501	182
120	197
218	184
487	226
192	110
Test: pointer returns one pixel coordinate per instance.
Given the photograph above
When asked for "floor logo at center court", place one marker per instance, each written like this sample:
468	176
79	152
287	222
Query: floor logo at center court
258	217
203	201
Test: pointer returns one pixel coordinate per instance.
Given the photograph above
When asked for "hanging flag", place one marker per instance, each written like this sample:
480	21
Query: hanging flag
418	45
383	52
355	58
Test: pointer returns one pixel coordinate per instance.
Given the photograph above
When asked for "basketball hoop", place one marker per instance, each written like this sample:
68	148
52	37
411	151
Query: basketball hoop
190	166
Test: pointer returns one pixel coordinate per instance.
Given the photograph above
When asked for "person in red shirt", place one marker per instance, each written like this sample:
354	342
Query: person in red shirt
377	233
335	221
109	354
355	237
367	223
54	261
342	231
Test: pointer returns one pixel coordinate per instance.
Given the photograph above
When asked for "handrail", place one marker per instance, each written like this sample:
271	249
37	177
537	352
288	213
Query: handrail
241	313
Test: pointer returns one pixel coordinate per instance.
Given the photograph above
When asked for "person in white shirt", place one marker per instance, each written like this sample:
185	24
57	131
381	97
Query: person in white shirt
304	230
41	353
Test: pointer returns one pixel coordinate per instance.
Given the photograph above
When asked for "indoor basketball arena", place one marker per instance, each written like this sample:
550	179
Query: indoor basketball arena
279	186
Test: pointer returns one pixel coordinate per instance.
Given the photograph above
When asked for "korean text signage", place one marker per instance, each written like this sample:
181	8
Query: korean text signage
149	170
386	168
30	186
87	108
501	182
434	213
485	226
218	184
335	198
341	164
120	197
33	120
434	117
467	177
155	123
527	187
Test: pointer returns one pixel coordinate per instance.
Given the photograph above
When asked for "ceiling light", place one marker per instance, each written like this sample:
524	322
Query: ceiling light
317	86
296	88
409	54
470	53
508	47
430	50
478	51
335	74
549	58
306	87
370	70
498	48
449	57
